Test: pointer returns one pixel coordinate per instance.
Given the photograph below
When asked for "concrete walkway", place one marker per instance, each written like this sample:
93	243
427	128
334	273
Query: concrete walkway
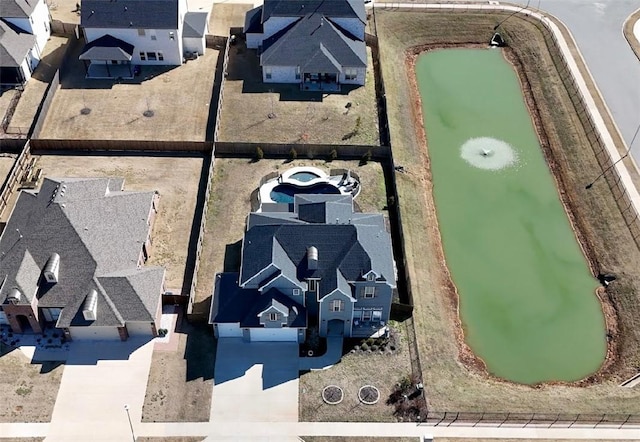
331	357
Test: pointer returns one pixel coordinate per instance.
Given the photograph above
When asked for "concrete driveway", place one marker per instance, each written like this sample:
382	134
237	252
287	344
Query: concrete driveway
255	382
98	380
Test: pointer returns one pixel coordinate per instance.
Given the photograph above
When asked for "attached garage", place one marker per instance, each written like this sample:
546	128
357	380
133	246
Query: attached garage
95	333
137	328
284	334
228	330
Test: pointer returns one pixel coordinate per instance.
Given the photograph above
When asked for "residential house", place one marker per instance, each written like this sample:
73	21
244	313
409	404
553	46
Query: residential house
318	44
24	31
122	34
319	265
72	257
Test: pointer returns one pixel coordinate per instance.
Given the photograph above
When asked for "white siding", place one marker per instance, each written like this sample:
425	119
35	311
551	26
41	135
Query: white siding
352	25
280	74
275	24
3	318
170	48
95	333
25	69
194	45
254	40
227	330
284	334
136	328
360	80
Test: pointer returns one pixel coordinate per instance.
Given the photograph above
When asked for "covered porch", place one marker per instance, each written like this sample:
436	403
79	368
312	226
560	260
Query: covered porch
320	73
320	82
108	58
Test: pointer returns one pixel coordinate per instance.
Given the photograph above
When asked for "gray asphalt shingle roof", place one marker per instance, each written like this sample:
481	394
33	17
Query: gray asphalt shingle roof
135	14
195	24
299	8
314	42
98	231
107	47
17	8
14	45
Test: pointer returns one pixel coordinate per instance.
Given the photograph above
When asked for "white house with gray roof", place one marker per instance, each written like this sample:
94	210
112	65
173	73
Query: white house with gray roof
319	265
72	257
124	33
317	43
24	31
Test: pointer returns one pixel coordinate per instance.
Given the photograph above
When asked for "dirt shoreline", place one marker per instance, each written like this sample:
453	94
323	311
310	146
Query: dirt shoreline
466	356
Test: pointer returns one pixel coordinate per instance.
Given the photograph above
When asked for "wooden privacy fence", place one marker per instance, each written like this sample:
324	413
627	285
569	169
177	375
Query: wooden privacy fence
16	173
43	144
274	150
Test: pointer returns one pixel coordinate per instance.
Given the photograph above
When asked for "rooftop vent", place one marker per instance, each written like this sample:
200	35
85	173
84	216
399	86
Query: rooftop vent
14	296
312	258
51	268
89	306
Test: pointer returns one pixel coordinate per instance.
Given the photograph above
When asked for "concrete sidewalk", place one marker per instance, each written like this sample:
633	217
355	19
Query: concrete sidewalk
331	357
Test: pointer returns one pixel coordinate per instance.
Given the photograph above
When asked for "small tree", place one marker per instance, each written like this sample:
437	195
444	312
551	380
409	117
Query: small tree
293	154
259	153
333	155
365	158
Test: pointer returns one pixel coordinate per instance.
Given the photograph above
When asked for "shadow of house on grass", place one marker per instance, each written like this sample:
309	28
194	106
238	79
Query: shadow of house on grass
232	256
200	350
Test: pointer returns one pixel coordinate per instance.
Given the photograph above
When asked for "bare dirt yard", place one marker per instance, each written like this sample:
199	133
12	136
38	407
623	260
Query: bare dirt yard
355	370
27	391
181	380
179	98
6	162
257	112
225	16
453	380
358	439
25	111
230	202
170	439
175	178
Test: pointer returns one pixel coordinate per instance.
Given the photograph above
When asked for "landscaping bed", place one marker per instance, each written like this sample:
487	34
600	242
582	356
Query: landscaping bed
453	379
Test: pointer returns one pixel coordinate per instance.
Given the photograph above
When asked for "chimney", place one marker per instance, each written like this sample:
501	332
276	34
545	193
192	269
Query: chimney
312	258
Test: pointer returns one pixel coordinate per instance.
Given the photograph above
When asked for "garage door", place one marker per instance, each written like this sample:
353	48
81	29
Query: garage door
274	334
139	328
109	333
228	330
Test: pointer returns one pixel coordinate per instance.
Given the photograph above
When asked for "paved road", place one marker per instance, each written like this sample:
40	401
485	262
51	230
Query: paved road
597	28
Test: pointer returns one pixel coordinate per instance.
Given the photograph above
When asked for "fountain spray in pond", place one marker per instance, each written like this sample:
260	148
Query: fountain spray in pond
488	153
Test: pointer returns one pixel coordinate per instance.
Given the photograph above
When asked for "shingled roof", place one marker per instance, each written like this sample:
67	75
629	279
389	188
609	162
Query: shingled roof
14	44
17	8
97	229
316	44
134	14
300	8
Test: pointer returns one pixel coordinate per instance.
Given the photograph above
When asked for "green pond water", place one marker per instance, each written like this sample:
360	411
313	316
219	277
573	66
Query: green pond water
527	298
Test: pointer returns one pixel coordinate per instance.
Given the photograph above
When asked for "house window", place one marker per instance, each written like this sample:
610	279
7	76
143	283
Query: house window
152	33
369	292
152	56
376	315
313	285
172	35
143	56
141	32
297	72
337	306
370	277
366	315
267	73
351	74
296	292
160	56
273	316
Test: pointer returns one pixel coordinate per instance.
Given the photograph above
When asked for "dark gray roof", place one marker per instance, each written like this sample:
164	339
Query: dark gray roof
135	14
107	47
14	44
253	21
329	8
232	304
349	244
314	42
98	231
17	8
195	24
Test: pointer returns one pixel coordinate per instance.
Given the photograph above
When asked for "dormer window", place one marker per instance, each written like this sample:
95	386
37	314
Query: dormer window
273	316
371	277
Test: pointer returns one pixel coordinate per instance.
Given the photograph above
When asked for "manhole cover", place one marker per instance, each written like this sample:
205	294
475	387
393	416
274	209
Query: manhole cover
85	111
148	113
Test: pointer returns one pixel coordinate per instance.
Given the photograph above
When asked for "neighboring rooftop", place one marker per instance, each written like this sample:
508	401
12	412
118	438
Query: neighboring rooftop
97	230
300	8
195	24
17	8
134	14
14	44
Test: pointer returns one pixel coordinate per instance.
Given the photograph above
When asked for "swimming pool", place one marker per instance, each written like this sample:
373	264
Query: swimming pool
284	193
304	176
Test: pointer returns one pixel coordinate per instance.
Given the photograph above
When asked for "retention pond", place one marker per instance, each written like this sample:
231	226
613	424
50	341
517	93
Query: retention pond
527	297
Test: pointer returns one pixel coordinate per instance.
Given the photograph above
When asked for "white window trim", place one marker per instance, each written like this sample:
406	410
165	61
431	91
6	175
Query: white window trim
337	305
369	291
295	292
273	316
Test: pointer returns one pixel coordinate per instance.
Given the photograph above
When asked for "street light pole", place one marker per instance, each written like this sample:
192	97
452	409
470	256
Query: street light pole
626	154
133	436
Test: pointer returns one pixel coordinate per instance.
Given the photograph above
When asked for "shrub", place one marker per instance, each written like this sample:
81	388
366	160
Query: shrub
259	153
365	158
293	154
333	155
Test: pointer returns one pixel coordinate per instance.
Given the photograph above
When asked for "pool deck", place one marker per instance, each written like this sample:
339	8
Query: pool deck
345	184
